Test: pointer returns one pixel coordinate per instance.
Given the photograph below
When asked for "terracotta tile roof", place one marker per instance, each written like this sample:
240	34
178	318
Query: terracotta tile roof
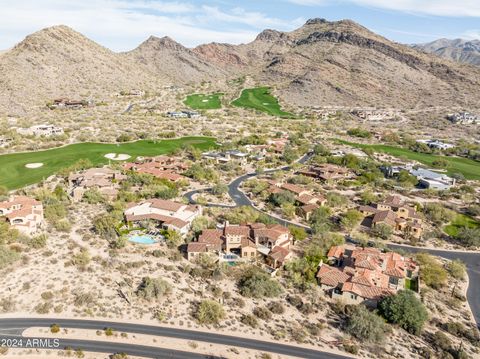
293	188
368	209
237	231
336	251
368	292
165	204
365	271
306	199
279	254
176	222
331	276
309	208
246	242
387	217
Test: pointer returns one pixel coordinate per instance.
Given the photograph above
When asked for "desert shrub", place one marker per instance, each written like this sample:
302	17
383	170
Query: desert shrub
104	225
84	299
457	269
262	313
150	289
433	273
209	312
38	241
365	325
43	308
7	256
276	307
47	295
54	328
82	259
441	340
249	320
258	284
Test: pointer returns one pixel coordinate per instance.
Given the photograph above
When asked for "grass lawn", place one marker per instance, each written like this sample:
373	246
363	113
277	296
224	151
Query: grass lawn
14	174
411	284
260	99
204	101
460	221
469	168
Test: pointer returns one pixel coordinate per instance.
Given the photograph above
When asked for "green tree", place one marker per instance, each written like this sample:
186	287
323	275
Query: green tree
174	238
365	325
404	309
278	199
219	189
258	284
7	234
469	237
209	312
351	219
438	214
432	272
289	154
383	231
320	220
153	288
298	233
457	269
104	225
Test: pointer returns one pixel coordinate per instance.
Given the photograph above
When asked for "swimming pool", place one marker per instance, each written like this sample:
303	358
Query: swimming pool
142	239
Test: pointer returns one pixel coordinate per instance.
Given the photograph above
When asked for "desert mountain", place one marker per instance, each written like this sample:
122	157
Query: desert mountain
459	50
59	61
321	63
343	63
169	59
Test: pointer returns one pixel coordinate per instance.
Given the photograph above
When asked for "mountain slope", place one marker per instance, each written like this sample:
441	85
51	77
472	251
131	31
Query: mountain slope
167	58
343	63
321	63
59	61
459	50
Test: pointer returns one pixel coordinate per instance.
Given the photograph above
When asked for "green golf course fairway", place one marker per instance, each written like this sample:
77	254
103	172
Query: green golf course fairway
14	174
469	168
260	99
460	221
204	101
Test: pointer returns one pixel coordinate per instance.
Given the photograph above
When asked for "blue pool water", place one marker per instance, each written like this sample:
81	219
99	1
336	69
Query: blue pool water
144	239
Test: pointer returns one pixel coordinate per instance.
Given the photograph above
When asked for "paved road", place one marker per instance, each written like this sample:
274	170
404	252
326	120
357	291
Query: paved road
472	260
282	349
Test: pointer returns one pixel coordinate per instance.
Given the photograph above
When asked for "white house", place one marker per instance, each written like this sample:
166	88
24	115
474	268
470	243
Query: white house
41	130
171	215
439	145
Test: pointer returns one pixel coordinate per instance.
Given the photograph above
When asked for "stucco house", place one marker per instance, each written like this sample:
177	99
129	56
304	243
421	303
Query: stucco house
364	275
23	213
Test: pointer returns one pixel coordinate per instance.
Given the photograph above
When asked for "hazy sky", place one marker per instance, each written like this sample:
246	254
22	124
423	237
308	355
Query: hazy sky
123	24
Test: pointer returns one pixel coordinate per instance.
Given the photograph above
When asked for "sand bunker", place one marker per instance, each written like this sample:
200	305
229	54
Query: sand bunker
117	156
204	100
34	165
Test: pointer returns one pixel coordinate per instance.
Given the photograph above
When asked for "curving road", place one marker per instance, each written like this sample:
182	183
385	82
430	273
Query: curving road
106	347
471	259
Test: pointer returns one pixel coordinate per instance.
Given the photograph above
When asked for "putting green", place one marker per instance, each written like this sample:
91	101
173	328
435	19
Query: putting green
14	174
260	99
204	101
